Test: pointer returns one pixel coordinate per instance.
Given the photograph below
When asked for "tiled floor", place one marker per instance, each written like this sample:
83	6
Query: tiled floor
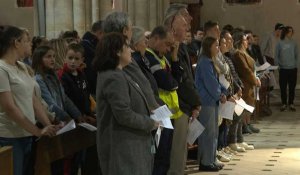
277	147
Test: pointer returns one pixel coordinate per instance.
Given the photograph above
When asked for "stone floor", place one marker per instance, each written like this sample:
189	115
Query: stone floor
277	146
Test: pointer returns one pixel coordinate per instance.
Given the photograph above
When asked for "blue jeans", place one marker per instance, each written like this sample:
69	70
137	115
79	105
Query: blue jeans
21	152
207	141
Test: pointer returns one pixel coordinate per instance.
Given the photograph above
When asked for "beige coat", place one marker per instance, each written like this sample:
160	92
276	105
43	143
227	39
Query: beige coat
245	67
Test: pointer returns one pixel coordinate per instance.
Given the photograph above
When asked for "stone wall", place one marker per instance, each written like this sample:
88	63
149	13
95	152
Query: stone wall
10	14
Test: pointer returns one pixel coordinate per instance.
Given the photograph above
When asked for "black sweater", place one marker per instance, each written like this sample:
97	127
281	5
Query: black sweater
76	88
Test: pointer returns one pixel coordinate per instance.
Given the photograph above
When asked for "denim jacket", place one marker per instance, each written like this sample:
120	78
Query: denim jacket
207	83
54	95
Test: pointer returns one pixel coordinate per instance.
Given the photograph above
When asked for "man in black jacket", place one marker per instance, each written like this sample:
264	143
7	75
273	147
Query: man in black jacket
89	42
177	20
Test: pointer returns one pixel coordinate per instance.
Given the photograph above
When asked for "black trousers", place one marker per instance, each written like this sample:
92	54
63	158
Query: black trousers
287	78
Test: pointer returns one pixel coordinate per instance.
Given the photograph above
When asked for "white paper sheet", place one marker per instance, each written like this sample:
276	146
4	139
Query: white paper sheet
88	126
238	110
162	115
195	130
263	67
223	81
226	110
162	112
157	136
68	127
273	67
243	104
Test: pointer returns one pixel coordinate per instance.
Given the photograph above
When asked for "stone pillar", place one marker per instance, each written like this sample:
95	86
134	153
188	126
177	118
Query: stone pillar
63	19
95	10
119	5
153	11
79	16
88	14
141	13
50	19
105	8
131	10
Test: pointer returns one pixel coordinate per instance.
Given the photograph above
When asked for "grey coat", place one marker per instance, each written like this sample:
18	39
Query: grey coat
124	138
135	72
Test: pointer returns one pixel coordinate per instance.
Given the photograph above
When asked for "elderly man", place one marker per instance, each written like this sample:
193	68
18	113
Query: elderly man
177	20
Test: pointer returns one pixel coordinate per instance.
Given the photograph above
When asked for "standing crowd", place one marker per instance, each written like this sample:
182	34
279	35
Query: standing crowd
115	76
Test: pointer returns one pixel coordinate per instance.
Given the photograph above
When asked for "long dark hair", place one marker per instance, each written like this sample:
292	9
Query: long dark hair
206	46
206	50
285	31
8	35
107	51
37	59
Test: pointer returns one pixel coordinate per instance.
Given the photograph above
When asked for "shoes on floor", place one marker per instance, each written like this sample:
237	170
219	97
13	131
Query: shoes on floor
283	108
219	164
253	129
292	107
228	150
223	157
210	168
246	129
237	148
246	146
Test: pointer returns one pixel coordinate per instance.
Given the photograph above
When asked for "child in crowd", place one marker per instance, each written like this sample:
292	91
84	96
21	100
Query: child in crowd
43	63
74	81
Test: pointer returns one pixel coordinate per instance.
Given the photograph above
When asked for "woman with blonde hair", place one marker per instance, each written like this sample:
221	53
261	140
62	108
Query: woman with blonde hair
60	47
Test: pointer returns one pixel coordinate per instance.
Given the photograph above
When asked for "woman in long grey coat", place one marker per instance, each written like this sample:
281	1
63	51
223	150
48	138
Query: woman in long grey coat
124	141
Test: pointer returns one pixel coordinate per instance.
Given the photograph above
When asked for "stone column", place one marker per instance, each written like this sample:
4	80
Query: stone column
105	8
131	10
50	19
63	16
79	16
88	14
153	12
95	10
141	15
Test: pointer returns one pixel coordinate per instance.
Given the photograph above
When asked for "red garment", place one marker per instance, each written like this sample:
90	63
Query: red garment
65	68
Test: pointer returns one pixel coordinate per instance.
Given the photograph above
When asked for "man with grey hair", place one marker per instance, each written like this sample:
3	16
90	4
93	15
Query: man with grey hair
177	20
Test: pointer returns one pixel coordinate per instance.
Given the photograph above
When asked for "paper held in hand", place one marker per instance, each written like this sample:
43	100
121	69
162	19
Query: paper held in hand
238	110
195	130
263	67
88	126
223	81
162	115
226	110
68	127
243	104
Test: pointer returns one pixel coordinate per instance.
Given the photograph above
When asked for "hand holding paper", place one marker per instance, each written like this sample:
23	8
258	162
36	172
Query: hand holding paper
195	130
162	115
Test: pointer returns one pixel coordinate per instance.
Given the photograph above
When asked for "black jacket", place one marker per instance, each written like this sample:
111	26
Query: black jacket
89	43
187	92
76	88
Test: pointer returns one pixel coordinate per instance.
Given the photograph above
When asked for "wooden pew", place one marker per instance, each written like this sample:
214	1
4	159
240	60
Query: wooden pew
6	160
61	146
